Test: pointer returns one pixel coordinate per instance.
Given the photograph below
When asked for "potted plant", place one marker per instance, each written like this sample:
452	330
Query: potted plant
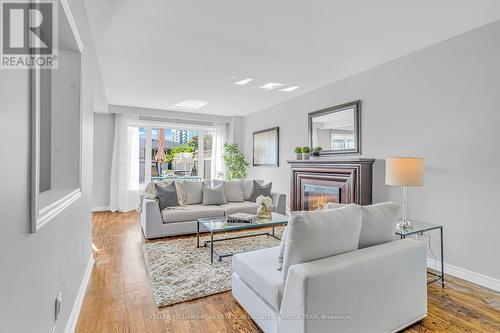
317	151
235	161
298	152
305	152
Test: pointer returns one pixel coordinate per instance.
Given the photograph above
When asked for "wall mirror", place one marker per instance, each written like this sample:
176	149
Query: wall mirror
337	129
56	100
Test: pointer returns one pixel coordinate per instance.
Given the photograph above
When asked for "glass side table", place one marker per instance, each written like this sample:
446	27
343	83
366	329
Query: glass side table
418	228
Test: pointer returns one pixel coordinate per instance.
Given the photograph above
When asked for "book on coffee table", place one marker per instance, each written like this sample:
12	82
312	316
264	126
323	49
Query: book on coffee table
241	218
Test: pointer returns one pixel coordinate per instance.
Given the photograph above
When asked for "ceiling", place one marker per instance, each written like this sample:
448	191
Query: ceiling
156	53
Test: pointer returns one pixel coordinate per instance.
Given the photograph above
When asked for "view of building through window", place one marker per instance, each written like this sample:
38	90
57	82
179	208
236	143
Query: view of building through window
181	153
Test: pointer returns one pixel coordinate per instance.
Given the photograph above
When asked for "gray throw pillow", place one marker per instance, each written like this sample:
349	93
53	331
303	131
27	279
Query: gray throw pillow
259	189
193	192
214	195
233	190
248	188
167	196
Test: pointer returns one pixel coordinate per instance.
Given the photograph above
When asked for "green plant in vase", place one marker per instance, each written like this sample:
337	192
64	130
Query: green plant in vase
317	151
298	152
306	150
236	163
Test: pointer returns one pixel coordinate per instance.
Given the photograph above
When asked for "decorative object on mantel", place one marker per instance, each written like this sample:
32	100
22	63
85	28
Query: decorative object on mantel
305	152
404	171
266	147
264	210
317	151
298	152
314	182
337	129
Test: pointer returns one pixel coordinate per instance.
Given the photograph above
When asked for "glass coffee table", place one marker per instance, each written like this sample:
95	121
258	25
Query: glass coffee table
216	225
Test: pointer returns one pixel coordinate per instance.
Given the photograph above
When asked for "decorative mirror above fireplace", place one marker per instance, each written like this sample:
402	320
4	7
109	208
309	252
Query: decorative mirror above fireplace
336	129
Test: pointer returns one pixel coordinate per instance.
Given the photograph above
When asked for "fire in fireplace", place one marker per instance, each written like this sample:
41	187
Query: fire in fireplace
317	196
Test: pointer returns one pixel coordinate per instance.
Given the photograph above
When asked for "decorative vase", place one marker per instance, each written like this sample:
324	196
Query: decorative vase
305	156
263	213
299	156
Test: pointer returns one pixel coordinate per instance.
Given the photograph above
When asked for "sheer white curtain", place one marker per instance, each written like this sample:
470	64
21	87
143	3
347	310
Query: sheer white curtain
124	193
217	167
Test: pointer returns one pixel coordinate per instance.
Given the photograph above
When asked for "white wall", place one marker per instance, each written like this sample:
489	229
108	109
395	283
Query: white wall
35	267
104	131
441	103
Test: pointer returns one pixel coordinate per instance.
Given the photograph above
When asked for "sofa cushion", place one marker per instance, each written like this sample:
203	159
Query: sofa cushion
213	195
319	234
258	270
233	190
259	189
193	192
248	188
378	224
167	196
190	213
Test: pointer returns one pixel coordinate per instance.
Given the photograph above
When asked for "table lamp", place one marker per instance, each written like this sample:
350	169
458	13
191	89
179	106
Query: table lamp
404	171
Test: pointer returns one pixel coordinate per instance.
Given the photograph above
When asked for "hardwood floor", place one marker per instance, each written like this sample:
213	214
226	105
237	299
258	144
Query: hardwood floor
119	298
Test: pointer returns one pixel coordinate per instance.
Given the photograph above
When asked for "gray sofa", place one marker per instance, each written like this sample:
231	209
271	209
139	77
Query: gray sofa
182	220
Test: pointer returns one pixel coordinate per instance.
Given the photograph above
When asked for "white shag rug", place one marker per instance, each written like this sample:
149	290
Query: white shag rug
179	272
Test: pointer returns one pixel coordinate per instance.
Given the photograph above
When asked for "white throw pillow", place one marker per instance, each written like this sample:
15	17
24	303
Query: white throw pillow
192	192
378	222
233	190
213	195
315	235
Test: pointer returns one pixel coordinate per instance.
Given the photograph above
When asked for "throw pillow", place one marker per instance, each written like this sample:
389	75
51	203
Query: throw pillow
259	189
193	192
213	195
378	224
315	235
233	190
248	188
167	196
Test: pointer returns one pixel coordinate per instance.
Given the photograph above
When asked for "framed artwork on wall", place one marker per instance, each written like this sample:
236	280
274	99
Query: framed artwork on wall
266	147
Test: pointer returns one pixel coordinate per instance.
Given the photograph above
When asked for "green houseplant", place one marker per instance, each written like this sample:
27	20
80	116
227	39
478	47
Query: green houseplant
236	163
317	151
305	152
298	152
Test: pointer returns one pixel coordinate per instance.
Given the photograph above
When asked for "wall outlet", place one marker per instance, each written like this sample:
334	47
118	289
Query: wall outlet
58	303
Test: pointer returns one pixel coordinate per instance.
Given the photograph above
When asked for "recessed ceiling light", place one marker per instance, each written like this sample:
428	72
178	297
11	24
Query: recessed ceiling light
271	85
290	89
243	82
189	104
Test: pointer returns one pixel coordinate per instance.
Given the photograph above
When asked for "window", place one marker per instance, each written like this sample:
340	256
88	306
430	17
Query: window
158	151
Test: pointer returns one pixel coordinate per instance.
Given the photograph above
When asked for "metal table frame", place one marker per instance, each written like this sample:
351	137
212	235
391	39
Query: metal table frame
420	231
211	243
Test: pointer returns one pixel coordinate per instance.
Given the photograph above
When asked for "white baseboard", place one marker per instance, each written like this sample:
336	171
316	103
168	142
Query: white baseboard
480	279
100	208
77	306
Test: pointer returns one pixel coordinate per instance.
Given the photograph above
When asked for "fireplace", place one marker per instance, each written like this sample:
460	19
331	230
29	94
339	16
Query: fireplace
317	196
314	183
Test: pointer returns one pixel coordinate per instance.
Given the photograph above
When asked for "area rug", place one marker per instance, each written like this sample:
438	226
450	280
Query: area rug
179	272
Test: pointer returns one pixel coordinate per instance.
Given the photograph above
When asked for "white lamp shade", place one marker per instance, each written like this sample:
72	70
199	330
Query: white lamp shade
404	171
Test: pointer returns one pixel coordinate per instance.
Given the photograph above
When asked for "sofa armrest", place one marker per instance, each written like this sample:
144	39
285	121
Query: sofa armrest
380	288
279	201
151	219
